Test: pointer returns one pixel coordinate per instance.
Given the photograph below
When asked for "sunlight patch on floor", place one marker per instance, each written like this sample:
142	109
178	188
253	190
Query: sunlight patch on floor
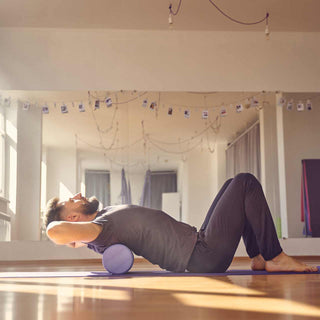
173	284
68	291
251	304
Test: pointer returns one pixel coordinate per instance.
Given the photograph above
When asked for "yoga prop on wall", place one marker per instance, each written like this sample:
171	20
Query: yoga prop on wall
310	200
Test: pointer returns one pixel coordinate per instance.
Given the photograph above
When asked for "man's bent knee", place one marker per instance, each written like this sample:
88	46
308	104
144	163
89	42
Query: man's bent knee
245	176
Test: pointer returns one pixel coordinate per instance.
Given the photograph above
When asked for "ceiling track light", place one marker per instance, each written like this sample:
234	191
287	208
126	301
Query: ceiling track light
267	32
172	13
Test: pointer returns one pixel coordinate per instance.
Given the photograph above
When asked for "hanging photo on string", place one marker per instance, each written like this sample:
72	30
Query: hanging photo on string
81	107
281	102
45	109
223	112
309	105
239	108
290	105
247	103
64	109
205	114
153	105
97	105
144	103
170	111
300	106
7	102
26	106
254	103
187	114
109	102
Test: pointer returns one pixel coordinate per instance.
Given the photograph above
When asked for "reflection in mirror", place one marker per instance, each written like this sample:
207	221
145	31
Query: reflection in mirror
166	150
142	146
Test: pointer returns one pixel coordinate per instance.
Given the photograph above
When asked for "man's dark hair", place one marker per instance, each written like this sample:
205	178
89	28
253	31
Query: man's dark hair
91	206
54	209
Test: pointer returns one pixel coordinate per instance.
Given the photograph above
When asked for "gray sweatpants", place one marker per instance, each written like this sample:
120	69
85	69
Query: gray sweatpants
239	209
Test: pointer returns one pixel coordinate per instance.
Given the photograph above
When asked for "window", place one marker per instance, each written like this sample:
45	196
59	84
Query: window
5	226
97	184
162	182
2	151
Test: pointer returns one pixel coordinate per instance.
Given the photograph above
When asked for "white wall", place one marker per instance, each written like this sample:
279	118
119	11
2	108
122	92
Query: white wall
82	59
199	186
42	250
61	172
302	136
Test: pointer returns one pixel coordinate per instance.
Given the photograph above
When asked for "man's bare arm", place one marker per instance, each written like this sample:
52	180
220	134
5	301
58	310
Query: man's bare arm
63	232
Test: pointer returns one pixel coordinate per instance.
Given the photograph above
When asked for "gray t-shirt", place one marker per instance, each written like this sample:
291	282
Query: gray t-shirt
147	232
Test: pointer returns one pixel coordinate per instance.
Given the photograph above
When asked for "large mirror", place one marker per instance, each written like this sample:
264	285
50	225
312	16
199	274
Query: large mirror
166	150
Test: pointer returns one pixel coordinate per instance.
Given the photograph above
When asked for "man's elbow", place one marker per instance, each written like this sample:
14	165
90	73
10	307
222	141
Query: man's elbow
55	232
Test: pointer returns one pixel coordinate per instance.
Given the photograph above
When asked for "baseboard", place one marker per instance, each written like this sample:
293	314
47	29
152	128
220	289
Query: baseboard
291	246
46	250
65	262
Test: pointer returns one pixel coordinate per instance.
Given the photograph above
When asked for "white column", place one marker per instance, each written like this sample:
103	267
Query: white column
269	157
262	149
282	169
26	224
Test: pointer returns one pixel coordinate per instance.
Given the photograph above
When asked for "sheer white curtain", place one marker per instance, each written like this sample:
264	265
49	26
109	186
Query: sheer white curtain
243	155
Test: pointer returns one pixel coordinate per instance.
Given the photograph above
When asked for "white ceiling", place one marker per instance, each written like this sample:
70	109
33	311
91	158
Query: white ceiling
121	123
285	15
158	125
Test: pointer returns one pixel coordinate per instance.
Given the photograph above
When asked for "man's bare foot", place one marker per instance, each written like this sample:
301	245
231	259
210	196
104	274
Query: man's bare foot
258	263
283	262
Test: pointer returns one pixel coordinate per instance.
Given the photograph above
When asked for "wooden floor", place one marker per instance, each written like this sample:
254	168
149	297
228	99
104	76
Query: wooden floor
165	298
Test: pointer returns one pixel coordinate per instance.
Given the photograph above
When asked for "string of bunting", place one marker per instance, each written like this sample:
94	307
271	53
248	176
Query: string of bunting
95	103
300	105
186	145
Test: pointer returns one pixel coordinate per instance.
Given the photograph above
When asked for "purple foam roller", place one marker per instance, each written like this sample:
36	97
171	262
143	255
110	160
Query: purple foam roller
117	259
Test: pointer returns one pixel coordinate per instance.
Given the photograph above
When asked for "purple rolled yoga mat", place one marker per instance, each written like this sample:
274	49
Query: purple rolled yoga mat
117	259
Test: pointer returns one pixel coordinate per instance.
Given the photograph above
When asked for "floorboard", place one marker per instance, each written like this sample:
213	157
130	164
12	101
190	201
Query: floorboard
231	297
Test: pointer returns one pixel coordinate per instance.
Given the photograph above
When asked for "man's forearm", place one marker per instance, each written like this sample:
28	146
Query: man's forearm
62	232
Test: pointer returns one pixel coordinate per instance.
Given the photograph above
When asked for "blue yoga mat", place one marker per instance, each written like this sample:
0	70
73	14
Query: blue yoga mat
61	274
